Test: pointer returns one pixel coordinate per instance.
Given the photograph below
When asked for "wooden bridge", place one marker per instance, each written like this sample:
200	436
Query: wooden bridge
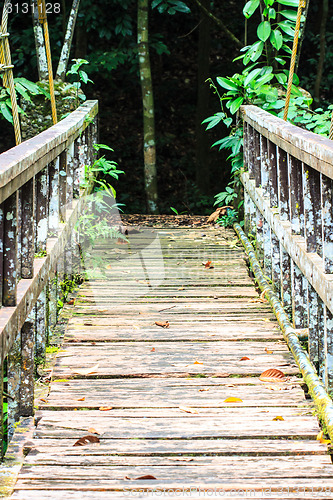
174	377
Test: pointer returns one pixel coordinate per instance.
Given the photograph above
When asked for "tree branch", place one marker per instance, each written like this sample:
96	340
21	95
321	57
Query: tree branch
219	23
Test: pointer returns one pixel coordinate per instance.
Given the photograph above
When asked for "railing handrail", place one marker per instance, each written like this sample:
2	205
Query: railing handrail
41	201
288	208
313	149
22	162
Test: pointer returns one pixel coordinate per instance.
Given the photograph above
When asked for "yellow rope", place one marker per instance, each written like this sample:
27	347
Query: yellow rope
43	20
301	6
7	67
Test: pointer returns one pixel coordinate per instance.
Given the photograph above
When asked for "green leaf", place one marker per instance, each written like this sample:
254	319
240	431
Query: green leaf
276	39
226	83
264	30
290	3
257	51
251	76
5	111
285	26
289	14
236	104
281	78
250	7
22	91
272	13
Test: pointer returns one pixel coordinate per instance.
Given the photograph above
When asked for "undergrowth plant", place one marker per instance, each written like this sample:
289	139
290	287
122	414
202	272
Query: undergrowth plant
96	221
262	82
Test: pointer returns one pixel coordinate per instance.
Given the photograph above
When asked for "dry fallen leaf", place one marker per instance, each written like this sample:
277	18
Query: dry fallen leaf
81	399
197	363
187	409
202	390
147	476
274	387
86	371
44	400
244	358
105	408
163	324
278	418
321	439
233	400
181	288
83	441
153	349
208	264
272	375
268	351
180	459
70	302
92	430
109	266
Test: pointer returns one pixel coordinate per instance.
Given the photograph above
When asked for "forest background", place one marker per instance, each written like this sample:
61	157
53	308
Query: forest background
198	40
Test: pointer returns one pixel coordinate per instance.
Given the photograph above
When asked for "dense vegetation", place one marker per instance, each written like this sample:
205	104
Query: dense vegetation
186	48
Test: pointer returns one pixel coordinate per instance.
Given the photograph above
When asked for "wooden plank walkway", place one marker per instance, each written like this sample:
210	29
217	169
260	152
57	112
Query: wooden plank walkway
157	398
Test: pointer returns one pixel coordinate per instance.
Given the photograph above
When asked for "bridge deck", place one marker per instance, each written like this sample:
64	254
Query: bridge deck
157	398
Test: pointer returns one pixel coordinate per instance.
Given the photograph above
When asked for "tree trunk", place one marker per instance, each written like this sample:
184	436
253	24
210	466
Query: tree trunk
202	139
81	42
322	52
149	147
66	48
43	73
301	35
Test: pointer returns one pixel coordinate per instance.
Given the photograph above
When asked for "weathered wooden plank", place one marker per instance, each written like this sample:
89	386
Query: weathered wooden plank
307	492
62	449
228	423
234	468
186	357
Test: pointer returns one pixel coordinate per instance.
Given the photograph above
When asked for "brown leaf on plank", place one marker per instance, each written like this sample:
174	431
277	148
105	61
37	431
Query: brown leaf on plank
244	358
71	302
268	351
272	375
105	408
81	399
218	213
278	418
208	264
147	476
83	441
163	324
233	400
153	349
187	409
92	430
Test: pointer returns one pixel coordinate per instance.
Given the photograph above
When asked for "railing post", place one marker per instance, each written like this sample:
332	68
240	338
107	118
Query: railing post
42	195
27	231
14	360
10	251
62	185
27	370
54	197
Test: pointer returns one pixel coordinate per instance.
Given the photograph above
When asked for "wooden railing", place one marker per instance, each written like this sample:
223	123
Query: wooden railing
288	208
39	205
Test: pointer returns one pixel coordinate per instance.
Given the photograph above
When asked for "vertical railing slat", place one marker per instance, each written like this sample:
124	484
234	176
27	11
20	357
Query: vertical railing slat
10	251
27	370
27	231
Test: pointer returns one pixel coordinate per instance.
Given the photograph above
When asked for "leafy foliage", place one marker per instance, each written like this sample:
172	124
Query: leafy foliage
25	89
